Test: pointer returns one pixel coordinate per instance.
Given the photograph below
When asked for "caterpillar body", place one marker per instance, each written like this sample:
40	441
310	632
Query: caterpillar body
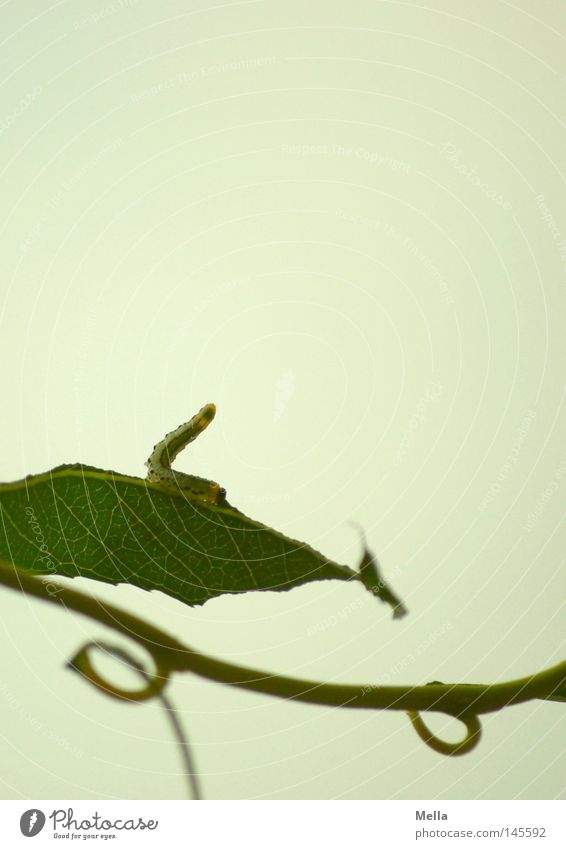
159	462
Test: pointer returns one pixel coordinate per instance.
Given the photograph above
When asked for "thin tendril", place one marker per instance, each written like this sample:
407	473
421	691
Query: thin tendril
184	748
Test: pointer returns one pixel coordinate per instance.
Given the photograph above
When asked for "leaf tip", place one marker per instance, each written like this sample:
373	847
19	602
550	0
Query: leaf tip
369	575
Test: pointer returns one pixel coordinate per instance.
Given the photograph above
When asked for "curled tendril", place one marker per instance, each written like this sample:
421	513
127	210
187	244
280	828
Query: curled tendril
470	741
81	663
155	682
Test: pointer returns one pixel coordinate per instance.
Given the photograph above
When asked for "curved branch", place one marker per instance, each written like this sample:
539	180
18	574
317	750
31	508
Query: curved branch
170	655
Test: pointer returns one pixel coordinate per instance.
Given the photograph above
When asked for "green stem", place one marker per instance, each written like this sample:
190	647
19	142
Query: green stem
171	655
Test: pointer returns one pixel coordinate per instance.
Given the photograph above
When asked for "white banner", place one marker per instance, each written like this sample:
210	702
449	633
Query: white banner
284	824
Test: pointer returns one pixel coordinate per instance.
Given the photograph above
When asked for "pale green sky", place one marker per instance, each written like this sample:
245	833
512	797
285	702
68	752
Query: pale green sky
345	225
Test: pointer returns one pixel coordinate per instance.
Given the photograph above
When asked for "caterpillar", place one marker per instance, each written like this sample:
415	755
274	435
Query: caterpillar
163	454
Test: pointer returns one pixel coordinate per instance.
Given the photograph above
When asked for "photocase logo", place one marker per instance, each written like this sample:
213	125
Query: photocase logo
31	822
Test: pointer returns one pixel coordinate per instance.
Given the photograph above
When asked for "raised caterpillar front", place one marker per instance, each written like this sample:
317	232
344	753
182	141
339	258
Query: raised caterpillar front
163	454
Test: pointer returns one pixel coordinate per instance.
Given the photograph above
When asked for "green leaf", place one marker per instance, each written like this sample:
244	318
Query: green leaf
78	520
